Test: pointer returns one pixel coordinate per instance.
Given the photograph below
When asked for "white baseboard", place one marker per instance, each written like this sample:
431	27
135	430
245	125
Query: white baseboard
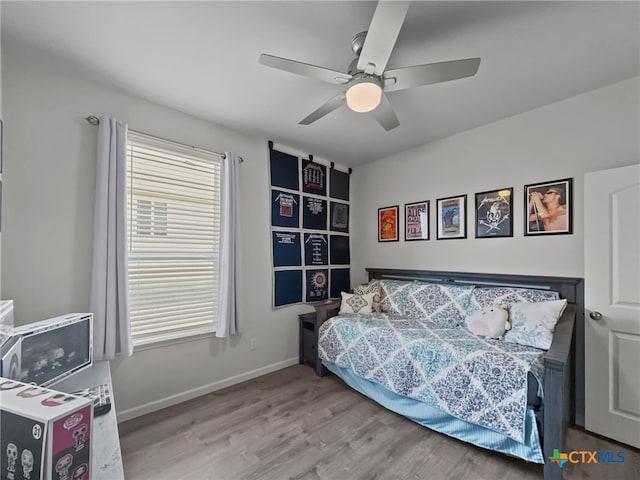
134	412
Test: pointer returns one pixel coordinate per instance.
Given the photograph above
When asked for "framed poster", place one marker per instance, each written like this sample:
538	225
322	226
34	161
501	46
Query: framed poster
416	221
388	224
452	217
549	207
494	213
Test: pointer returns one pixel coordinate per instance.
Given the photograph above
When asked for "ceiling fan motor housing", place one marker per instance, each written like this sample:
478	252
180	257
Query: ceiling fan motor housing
357	42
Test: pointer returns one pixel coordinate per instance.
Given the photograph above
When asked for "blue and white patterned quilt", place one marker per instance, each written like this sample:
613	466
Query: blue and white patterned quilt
480	381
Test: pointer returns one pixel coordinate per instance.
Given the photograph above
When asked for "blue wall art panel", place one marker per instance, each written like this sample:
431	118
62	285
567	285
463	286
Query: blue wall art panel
339	184
286	249
339	217
316	249
284	170
309	229
317	285
339	281
314	178
314	213
288	287
285	209
339	250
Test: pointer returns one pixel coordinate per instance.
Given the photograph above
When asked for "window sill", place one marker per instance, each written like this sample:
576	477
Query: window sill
162	343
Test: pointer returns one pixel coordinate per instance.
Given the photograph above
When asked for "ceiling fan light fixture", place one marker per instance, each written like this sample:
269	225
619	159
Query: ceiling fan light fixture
364	94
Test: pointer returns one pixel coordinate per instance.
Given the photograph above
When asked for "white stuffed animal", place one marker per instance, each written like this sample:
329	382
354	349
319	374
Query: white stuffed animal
491	322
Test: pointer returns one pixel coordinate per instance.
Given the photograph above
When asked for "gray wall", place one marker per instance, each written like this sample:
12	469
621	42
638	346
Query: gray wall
48	204
594	131
48	219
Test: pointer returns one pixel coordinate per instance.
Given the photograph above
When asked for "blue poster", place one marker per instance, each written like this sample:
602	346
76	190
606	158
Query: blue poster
340	281
339	250
286	249
314	213
288	287
339	217
339	184
316	249
284	170
314	178
285	209
317	285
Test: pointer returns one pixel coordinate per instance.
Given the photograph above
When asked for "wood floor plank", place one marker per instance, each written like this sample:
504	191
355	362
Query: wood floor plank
291	424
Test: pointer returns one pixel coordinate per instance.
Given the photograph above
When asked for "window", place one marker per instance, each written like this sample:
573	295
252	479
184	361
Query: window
174	224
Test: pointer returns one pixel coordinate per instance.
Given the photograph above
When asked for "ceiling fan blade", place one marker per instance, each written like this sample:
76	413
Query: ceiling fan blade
327	107
430	73
385	115
305	69
382	35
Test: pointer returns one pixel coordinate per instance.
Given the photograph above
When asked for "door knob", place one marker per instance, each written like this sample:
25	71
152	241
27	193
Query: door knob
595	316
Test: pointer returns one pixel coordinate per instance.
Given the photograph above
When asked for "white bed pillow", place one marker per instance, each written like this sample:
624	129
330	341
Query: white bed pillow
374	288
354	303
533	324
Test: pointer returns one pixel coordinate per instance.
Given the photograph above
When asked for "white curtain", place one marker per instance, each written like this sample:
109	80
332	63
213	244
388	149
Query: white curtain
228	321
109	300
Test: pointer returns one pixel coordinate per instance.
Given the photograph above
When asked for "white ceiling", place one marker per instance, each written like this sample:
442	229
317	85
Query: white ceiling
202	58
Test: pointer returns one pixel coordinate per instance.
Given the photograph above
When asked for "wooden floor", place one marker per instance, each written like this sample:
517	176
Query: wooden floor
291	424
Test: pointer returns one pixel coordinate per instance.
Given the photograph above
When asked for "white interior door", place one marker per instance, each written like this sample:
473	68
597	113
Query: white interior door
612	303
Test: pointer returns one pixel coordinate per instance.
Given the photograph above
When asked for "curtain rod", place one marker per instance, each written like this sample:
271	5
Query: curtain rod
93	120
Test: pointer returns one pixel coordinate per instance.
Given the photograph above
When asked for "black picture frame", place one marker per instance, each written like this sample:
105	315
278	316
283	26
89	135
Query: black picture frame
388	224
552	215
494	213
416	221
451	216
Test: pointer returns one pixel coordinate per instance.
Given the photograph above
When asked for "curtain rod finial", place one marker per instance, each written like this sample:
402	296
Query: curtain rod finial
93	120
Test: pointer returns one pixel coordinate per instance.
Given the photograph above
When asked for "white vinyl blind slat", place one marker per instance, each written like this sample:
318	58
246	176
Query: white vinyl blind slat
174	229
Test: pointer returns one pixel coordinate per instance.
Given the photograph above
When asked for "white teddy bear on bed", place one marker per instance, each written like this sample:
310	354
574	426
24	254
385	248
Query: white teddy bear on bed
490	323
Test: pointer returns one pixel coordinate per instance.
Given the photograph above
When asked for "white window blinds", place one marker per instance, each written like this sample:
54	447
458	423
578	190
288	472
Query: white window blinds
174	229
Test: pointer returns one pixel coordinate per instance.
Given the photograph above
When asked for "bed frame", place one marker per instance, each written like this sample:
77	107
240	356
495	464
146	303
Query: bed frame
558	361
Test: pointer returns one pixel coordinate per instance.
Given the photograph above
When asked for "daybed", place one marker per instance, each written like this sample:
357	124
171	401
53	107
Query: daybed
415	355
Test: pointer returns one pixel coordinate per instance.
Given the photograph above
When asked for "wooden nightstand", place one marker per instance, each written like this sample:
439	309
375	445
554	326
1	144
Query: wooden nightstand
309	326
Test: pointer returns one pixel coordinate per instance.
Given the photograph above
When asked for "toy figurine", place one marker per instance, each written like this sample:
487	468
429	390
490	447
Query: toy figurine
55	357
40	364
27	463
63	465
12	456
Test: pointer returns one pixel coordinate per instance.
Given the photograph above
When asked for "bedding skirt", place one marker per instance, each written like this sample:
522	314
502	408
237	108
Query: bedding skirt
440	421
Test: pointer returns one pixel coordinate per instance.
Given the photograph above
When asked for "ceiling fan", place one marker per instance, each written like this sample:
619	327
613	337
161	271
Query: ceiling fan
366	81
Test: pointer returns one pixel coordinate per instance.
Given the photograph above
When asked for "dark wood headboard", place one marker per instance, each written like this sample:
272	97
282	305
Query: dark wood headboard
571	288
568	287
